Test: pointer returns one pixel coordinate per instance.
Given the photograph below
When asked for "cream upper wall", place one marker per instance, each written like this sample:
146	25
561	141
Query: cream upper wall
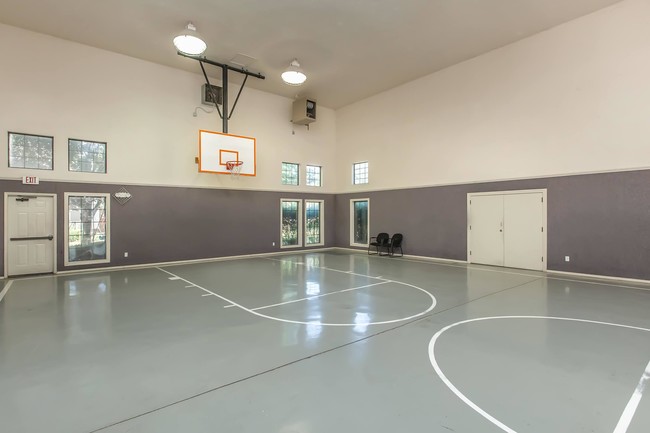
569	100
143	111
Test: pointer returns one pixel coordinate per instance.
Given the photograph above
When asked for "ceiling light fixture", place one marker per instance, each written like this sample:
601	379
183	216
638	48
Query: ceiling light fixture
189	41
294	76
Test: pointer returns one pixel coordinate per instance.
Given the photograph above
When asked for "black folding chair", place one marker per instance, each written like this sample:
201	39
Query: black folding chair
380	241
395	243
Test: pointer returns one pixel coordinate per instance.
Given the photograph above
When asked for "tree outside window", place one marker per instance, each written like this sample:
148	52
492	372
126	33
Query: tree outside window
290	234
87	233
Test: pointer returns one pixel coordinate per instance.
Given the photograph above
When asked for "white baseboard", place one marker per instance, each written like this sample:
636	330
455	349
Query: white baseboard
409	256
189	262
598	277
435	259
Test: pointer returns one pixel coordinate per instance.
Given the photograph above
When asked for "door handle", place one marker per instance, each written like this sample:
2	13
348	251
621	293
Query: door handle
33	238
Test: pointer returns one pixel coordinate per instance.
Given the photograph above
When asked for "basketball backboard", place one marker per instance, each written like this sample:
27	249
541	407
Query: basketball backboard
217	148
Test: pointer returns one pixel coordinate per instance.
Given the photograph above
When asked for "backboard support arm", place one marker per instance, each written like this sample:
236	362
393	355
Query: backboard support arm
224	78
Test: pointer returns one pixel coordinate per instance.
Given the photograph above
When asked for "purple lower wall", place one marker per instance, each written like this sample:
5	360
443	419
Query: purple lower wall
601	220
162	224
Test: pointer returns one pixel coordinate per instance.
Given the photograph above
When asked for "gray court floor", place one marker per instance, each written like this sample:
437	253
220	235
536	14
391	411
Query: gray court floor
323	342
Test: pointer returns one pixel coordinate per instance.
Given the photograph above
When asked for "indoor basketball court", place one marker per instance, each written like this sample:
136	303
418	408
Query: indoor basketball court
316	217
305	338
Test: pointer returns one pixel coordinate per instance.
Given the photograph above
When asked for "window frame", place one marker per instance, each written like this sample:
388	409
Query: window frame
354	173
320	175
300	222
89	141
352	243
322	222
24	134
297	165
66	228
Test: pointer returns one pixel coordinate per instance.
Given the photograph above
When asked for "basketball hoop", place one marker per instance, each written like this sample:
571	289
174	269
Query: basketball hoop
234	167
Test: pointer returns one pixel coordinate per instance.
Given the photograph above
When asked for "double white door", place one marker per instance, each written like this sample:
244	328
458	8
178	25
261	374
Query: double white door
30	234
507	229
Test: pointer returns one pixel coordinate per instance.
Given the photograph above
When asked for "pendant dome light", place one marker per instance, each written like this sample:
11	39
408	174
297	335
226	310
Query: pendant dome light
294	76
189	42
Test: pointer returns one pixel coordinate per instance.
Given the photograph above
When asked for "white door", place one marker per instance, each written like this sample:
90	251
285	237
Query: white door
523	222
486	229
30	232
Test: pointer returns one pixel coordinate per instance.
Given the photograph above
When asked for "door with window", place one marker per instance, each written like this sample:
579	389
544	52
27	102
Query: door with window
31	241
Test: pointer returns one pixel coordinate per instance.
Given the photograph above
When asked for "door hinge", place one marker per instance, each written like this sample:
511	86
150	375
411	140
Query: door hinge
470	253
542	258
470	227
542	229
542	199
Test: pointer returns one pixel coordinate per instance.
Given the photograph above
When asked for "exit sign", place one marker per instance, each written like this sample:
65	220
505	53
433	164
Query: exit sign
31	180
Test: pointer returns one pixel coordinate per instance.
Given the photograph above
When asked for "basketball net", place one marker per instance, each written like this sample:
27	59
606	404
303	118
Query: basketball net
234	167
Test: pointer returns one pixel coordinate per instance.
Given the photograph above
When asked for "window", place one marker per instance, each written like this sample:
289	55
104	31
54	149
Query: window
291	223
313	175
30	151
314	222
359	217
87	228
86	156
360	172
289	173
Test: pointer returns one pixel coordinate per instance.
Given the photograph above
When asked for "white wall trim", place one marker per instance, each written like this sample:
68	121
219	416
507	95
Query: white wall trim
185	262
599	277
496	180
161	185
408	256
335	192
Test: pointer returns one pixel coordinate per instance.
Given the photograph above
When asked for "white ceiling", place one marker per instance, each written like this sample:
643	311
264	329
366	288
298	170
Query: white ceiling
350	49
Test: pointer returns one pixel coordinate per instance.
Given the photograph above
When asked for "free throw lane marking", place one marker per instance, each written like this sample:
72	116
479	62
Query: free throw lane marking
474	406
317	296
302	322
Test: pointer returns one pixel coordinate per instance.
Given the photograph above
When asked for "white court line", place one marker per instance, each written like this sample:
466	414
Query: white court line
630	409
6	289
206	294
313	297
318	296
470	403
325	268
300	322
174	278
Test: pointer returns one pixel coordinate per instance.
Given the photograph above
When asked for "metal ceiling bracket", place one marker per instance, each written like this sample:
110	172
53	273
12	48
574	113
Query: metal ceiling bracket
224	79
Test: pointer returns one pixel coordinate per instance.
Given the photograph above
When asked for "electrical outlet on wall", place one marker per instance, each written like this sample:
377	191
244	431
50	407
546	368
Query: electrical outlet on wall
567	258
126	254
273	243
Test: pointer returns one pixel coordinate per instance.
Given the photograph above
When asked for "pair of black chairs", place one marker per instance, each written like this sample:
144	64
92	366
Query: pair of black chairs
383	241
